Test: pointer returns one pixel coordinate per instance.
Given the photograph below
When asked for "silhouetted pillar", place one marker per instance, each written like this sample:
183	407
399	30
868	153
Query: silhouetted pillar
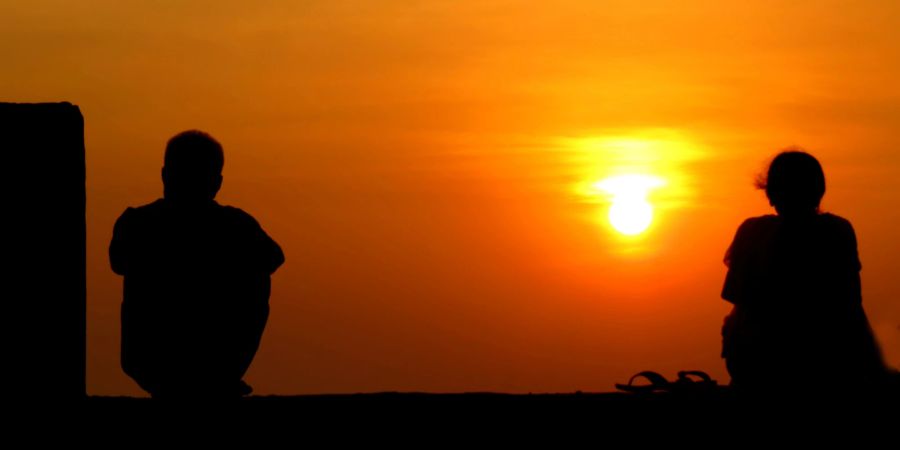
43	248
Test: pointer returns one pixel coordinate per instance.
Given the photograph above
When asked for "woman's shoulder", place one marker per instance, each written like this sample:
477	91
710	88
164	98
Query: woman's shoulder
763	220
758	224
835	224
760	229
840	231
834	219
752	233
768	221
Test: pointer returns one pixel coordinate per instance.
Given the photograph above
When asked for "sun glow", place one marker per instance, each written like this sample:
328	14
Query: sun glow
630	212
634	177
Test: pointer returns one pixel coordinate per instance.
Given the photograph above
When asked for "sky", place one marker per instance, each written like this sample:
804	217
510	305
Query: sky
433	169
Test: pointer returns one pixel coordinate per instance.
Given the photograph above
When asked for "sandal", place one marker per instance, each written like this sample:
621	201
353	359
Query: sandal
657	383
688	381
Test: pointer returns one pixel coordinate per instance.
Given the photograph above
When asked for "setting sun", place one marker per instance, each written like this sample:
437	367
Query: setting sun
635	177
631	212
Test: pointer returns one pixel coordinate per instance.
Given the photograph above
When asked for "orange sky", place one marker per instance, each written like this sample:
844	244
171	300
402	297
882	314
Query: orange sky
426	166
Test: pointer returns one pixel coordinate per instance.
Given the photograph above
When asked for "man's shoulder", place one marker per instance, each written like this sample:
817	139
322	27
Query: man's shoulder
241	221
133	213
156	205
236	214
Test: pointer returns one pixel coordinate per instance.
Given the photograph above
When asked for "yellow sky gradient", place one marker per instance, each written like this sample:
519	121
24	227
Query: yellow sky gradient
423	165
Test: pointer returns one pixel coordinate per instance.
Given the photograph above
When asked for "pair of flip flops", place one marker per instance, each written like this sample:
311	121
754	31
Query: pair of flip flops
688	381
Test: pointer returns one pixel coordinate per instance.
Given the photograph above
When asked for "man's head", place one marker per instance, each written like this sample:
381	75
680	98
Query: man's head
193	167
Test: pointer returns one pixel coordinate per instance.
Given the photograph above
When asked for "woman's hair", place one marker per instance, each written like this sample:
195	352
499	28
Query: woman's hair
794	182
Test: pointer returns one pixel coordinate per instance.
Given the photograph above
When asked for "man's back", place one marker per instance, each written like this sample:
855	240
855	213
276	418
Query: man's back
196	294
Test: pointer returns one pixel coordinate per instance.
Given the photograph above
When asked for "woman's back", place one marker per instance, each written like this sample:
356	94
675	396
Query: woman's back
804	262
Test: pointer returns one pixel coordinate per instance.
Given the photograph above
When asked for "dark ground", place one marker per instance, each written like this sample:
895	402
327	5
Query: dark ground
721	400
424	420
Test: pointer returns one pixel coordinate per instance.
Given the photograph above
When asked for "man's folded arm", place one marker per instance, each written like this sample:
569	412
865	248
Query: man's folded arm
265	253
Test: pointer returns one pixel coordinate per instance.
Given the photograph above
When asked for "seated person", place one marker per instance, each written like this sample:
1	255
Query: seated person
793	278
197	280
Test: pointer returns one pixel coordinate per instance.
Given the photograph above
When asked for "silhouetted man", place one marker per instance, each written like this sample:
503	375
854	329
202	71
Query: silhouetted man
197	280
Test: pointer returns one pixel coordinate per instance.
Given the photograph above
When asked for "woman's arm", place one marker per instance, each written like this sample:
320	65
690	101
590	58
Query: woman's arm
736	259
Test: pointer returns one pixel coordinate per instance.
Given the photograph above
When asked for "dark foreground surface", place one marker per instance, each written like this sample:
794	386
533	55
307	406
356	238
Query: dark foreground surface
426	420
372	407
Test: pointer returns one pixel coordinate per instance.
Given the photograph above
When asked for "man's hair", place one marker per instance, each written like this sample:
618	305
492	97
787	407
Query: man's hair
194	151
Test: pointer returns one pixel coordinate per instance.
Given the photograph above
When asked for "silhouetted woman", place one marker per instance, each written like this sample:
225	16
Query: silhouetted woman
798	321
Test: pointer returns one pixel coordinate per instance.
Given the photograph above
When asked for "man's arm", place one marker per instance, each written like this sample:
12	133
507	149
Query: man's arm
259	257
265	254
119	246
272	255
253	319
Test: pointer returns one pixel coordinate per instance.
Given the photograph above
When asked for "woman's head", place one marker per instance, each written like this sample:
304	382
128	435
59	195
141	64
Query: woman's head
794	183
